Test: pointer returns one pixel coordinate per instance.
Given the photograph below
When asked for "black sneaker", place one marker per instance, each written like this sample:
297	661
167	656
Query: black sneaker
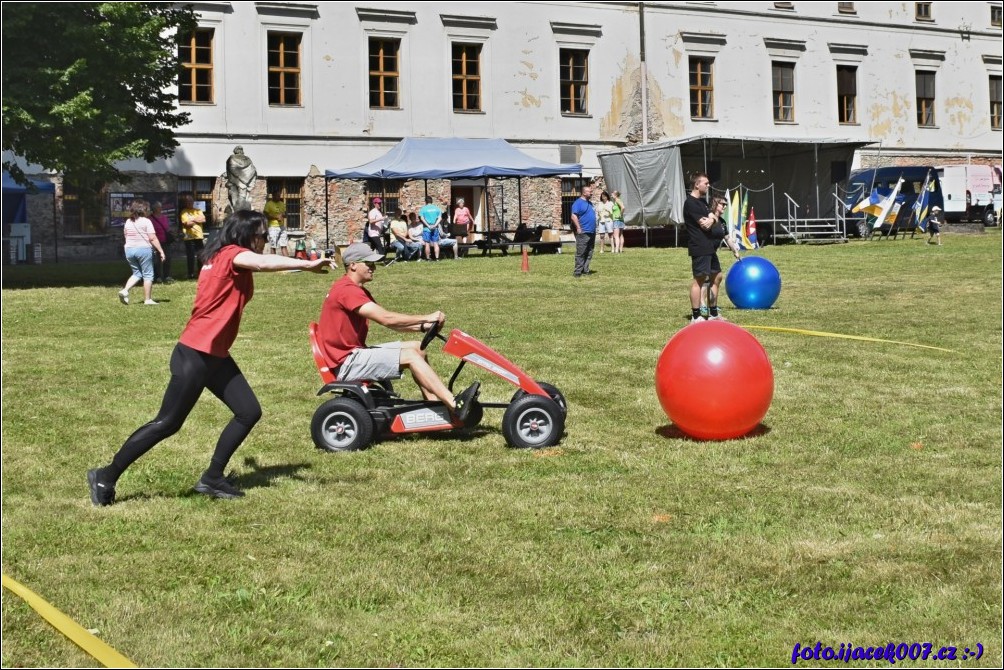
102	491
464	401
217	488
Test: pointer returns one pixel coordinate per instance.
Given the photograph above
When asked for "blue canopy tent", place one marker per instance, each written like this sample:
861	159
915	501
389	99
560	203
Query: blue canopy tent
15	208
452	158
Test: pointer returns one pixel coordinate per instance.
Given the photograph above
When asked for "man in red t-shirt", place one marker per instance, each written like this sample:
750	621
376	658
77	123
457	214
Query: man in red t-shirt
344	324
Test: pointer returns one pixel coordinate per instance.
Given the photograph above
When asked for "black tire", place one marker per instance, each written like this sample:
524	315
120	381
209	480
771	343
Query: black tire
532	422
341	424
552	391
989	218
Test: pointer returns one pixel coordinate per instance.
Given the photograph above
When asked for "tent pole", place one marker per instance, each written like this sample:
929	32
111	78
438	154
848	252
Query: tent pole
55	226
488	212
816	150
519	197
327	229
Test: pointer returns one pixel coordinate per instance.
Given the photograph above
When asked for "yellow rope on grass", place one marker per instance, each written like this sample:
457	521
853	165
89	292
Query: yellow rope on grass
68	627
816	333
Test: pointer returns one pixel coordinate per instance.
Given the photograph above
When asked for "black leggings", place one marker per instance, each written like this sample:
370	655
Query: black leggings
191	372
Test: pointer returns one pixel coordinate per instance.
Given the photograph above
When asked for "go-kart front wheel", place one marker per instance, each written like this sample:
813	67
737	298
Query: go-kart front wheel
533	422
341	424
551	390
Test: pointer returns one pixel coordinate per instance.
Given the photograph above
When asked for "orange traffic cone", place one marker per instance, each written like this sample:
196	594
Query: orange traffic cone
526	260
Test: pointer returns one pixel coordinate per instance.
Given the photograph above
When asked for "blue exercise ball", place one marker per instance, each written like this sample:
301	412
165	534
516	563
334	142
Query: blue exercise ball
753	283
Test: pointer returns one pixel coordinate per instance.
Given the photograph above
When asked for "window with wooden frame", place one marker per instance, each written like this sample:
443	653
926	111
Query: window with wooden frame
201	190
385	73
574	80
82	211
466	77
571	189
995	101
922	11
846	8
925	99
783	87
195	53
284	69
702	88
847	93
388	190
995	15
291	190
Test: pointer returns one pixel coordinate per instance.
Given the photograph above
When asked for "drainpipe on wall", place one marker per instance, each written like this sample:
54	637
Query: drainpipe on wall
644	74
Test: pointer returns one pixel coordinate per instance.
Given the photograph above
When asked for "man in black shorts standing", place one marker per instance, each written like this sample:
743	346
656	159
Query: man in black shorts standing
705	232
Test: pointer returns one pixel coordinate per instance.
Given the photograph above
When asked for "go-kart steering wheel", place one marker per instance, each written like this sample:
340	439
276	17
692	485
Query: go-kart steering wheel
431	334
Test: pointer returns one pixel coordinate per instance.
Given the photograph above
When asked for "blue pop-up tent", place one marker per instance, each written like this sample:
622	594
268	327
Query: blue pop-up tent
15	213
15	208
453	158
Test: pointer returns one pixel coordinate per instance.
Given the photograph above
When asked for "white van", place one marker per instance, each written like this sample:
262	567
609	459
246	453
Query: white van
971	192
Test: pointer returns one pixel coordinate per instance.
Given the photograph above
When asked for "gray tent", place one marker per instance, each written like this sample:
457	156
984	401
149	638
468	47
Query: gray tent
650	179
654	175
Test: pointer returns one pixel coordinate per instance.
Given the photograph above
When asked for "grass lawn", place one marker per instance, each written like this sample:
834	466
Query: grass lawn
867	510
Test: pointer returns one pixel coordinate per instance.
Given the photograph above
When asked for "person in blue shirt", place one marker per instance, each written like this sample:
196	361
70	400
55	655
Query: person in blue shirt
584	223
430	215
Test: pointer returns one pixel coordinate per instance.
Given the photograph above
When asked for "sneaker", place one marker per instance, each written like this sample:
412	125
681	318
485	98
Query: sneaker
102	491
150	302
698	319
717	318
124	297
217	488
465	400
169	280
705	312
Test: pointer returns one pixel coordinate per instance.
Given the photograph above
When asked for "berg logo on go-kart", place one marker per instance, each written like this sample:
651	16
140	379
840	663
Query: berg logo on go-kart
425	418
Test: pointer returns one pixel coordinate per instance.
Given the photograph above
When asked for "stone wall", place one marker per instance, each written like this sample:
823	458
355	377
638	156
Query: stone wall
876	160
535	201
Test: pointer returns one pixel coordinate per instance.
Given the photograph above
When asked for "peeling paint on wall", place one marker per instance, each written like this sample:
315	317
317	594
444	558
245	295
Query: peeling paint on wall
960	114
528	100
889	118
623	114
623	120
671	111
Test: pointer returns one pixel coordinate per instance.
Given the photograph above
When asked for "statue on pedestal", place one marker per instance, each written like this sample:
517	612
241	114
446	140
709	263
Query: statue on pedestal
241	177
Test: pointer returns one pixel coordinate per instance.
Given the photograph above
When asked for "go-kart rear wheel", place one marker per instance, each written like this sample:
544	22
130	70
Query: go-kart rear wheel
341	424
533	422
552	391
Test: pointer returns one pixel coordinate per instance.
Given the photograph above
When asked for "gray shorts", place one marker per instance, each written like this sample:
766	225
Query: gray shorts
380	362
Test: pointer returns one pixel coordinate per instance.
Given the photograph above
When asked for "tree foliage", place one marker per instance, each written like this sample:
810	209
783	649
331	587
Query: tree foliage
89	84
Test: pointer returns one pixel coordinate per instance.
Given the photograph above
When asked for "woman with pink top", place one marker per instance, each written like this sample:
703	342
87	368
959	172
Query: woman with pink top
140	243
162	226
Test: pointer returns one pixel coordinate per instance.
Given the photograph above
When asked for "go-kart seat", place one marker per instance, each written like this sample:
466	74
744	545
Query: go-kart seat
328	374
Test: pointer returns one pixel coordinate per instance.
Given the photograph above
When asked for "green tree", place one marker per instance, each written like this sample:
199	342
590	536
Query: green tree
88	84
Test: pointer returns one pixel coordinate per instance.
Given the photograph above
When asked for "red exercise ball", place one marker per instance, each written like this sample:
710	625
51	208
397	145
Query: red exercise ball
714	381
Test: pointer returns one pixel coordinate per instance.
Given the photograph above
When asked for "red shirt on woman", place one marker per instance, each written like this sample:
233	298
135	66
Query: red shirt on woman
223	291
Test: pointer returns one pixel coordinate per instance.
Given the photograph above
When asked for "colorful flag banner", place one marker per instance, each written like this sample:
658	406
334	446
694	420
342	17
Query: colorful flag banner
749	239
890	208
922	206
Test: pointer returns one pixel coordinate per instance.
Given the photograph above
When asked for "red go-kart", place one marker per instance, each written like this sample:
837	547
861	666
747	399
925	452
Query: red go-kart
364	411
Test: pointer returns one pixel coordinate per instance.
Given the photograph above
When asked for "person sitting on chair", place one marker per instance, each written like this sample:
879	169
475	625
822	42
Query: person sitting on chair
344	324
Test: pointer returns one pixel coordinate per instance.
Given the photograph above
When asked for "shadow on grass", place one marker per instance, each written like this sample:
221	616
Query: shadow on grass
671	432
262	476
110	274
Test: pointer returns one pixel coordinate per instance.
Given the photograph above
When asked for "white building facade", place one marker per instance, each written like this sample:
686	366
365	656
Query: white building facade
310	86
